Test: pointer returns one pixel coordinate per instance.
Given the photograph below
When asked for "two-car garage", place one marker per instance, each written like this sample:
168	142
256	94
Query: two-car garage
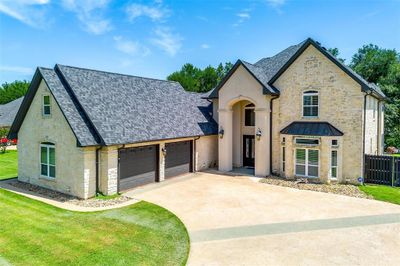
141	165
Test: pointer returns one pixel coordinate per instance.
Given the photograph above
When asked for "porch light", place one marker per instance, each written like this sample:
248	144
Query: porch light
258	134
164	151
221	133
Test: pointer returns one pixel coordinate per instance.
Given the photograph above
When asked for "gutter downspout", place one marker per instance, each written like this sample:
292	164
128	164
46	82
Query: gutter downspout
270	132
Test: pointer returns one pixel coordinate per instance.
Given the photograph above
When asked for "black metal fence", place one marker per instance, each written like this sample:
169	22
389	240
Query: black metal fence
382	169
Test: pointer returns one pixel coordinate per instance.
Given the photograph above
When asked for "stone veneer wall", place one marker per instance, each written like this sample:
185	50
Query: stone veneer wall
75	167
341	104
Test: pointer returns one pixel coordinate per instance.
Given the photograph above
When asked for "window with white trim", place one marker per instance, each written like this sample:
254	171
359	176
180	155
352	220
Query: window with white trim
334	164
307	162
46	105
47	160
310	104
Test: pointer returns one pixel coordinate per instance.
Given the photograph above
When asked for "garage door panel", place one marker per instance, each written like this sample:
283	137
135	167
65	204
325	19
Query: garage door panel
178	160
137	166
135	181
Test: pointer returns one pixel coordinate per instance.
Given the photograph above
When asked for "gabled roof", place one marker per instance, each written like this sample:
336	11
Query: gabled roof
311	129
109	108
269	69
8	112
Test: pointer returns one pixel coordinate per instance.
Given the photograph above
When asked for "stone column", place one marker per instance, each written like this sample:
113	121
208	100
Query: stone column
290	157
109	170
262	146
161	174
225	144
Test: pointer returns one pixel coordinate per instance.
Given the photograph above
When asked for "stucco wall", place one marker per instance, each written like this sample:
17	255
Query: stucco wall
340	99
242	86
75	167
206	152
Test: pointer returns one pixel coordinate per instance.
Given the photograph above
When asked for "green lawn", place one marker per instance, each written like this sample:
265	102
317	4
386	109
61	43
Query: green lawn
34	233
8	164
383	193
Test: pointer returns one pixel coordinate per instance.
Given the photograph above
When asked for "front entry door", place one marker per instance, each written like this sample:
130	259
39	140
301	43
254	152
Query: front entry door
248	150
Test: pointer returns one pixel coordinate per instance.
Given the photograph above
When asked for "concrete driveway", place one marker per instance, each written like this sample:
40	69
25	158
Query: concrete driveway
234	220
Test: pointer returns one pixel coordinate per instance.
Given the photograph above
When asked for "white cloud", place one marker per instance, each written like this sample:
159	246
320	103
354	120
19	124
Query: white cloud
155	13
170	42
16	69
243	16
276	3
205	46
89	13
30	12
130	47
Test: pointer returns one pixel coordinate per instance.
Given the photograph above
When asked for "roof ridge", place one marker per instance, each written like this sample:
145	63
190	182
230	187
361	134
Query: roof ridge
115	73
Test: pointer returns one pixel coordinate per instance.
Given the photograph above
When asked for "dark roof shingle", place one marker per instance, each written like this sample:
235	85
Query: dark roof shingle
128	109
8	112
311	129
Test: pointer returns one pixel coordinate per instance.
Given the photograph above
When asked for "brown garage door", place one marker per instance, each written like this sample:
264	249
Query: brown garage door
137	166
179	158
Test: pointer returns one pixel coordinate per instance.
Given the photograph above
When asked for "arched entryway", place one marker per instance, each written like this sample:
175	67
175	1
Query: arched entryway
239	145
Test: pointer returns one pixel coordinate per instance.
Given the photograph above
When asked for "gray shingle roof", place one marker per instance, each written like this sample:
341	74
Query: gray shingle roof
108	108
311	129
268	69
71	110
129	109
8	112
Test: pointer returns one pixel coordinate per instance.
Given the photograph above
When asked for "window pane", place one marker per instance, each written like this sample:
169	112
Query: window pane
249	117
46	99
334	158
313	157
43	170
307	141
43	155
334	172
314	100
334	142
46	110
283	167
307	100
313	171
314	111
300	156
300	170
52	171
52	156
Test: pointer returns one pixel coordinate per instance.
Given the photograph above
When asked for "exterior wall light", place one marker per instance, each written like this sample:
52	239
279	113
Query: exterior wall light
221	133
258	134
164	151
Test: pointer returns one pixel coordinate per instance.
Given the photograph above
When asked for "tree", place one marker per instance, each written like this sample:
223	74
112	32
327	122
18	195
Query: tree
382	66
12	91
373	63
197	80
335	53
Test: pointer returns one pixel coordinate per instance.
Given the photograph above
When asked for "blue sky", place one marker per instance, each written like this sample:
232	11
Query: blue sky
155	38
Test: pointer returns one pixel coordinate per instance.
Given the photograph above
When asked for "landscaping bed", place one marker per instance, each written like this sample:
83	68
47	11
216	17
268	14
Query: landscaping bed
96	202
341	189
35	233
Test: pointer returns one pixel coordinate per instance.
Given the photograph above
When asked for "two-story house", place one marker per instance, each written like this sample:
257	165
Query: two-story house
300	113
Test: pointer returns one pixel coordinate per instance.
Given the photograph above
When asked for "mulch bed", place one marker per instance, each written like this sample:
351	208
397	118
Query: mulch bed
61	197
341	189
